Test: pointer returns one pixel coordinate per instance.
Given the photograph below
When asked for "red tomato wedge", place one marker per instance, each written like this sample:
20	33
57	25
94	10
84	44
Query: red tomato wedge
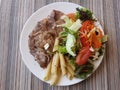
83	56
84	41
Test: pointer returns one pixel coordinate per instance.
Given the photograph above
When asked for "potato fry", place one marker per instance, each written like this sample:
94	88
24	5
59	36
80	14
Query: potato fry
69	75
56	43
62	64
58	64
48	71
55	70
72	66
62	60
56	77
55	63
70	70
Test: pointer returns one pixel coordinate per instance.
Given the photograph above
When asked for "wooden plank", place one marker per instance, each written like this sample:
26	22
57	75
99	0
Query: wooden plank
112	59
4	33
116	9
13	73
0	3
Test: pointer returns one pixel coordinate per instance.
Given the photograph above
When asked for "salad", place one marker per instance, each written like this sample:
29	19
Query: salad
81	41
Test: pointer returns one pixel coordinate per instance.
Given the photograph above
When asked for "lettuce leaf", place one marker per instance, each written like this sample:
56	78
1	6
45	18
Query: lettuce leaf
84	70
104	39
84	14
61	49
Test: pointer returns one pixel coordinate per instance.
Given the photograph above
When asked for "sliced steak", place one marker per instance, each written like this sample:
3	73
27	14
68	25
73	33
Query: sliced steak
45	32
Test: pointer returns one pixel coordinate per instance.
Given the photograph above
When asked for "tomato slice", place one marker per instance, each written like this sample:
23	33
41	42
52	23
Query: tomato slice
83	56
84	41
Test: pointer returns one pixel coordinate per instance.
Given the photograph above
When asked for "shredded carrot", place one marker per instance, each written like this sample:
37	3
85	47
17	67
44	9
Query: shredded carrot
87	25
95	41
72	16
95	38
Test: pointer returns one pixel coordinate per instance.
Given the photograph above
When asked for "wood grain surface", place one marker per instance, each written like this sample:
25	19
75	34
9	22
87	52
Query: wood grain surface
13	73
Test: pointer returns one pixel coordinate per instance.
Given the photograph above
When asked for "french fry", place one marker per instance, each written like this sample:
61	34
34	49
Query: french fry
58	64
55	63
48	71
72	66
56	43
70	70
55	70
62	64
69	75
56	77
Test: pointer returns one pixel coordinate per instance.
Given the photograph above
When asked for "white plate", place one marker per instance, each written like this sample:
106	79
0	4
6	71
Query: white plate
28	59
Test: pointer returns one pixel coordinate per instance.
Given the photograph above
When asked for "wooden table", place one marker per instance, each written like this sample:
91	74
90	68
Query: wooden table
13	73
